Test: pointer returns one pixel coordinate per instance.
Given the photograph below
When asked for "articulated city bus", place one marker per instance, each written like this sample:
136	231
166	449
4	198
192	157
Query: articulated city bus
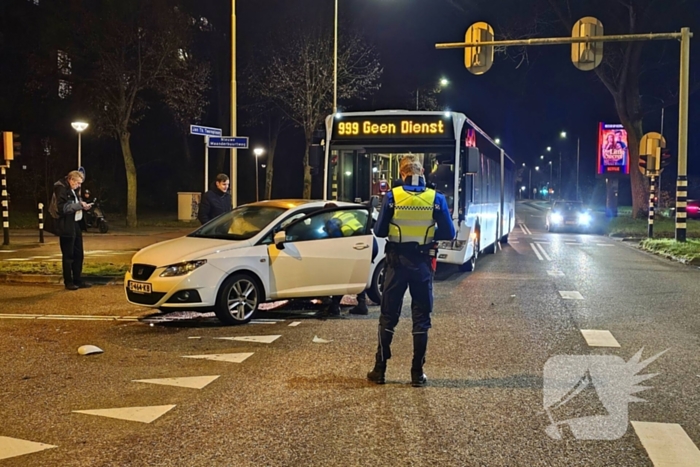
362	154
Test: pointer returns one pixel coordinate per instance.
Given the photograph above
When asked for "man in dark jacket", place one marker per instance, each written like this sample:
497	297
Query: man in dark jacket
215	201
69	209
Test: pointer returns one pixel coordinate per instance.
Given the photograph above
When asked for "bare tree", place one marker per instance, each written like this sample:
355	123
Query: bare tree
299	79
626	68
140	53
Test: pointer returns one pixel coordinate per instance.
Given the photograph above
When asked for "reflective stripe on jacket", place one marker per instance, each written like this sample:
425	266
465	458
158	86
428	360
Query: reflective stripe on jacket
413	216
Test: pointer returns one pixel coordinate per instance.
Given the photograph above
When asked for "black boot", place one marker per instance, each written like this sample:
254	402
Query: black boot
361	307
385	336
420	346
377	374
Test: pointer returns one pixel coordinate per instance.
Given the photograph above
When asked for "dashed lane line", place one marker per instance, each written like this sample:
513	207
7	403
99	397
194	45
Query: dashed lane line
570	295
667	444
599	338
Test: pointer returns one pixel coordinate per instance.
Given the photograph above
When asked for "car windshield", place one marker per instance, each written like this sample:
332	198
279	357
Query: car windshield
567	207
242	223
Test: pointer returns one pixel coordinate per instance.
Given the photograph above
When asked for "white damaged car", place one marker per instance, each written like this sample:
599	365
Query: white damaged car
259	252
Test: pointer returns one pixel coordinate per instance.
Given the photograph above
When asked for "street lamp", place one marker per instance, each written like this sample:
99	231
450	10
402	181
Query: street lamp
234	130
497	141
258	152
549	148
79	127
578	157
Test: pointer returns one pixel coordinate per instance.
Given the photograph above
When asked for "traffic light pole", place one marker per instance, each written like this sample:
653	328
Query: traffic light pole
652	194
480	62
5	209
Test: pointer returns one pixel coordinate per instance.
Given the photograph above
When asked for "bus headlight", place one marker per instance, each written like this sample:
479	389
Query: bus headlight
584	218
557	218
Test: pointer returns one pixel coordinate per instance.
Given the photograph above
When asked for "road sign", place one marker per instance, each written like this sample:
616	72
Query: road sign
205	130
238	142
478	60
587	55
651	145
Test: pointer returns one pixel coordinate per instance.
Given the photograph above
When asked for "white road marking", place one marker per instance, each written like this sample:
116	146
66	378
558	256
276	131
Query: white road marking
523	229
537	253
7	251
69	317
570	295
193	382
544	253
604	244
223	357
13	447
261	339
253	321
133	414
294	324
526	229
555	273
667	444
596	338
572	243
513	241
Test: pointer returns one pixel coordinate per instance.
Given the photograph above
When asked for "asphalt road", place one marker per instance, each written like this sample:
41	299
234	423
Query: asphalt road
298	402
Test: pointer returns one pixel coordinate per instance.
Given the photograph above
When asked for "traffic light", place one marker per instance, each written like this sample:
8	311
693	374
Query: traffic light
7	146
665	159
643	163
16	145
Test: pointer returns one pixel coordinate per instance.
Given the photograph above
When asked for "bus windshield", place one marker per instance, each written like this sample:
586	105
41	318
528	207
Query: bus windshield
357	173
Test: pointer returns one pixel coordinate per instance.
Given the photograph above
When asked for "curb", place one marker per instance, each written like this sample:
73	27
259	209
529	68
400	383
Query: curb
684	261
55	279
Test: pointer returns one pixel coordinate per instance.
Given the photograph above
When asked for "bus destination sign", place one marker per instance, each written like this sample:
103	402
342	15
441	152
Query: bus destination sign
390	127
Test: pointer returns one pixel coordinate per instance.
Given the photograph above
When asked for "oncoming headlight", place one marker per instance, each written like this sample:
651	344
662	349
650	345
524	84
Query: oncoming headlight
180	269
584	218
557	218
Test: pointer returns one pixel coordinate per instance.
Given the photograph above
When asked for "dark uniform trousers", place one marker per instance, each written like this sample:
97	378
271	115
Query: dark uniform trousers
72	249
412	270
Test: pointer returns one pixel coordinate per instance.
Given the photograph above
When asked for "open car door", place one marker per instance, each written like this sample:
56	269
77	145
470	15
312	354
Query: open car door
328	252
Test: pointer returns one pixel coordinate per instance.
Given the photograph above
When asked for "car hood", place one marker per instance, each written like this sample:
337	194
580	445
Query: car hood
184	249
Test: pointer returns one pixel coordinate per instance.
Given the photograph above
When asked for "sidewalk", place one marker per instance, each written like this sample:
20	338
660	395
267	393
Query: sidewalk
112	250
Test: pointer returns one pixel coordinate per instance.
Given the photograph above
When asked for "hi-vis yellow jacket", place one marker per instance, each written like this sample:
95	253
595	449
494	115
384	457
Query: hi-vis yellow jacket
413	216
349	225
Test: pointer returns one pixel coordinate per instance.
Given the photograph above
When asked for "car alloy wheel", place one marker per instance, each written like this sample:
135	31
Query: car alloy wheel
239	300
377	286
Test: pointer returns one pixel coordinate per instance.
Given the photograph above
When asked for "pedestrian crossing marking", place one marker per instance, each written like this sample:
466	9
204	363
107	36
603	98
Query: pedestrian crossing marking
132	414
294	324
13	447
193	382
597	338
571	295
555	273
223	357
667	444
260	339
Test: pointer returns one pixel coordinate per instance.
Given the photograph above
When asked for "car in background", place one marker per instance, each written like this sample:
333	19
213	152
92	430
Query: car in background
568	215
692	209
260	252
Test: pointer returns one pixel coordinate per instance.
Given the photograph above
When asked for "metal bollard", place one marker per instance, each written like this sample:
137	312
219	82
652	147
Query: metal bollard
5	209
41	222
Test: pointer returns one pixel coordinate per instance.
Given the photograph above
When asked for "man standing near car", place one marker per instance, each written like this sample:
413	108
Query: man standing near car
408	218
67	208
215	201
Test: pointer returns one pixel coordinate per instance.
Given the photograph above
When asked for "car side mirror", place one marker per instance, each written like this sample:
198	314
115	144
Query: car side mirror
279	239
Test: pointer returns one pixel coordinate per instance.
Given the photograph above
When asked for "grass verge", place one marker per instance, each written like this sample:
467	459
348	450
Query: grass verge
89	269
663	227
688	251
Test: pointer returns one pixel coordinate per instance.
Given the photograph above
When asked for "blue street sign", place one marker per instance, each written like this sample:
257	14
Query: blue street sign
238	142
205	130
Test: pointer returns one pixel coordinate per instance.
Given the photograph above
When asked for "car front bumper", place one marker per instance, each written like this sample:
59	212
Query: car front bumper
195	290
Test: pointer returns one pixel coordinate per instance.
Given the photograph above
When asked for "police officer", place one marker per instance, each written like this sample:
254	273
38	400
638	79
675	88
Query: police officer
408	218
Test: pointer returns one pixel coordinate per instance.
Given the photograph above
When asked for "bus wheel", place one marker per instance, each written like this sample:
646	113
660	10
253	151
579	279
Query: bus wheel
374	292
469	266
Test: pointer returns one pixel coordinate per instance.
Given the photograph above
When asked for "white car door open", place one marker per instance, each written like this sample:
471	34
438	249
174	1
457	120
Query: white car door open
327	253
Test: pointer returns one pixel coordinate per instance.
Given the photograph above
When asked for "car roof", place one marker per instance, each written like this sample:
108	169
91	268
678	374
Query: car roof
295	203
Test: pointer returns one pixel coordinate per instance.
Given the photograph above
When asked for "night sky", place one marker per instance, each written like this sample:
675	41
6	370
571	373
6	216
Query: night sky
526	108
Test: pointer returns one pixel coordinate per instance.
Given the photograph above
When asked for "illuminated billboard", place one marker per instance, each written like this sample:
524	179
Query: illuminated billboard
613	153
